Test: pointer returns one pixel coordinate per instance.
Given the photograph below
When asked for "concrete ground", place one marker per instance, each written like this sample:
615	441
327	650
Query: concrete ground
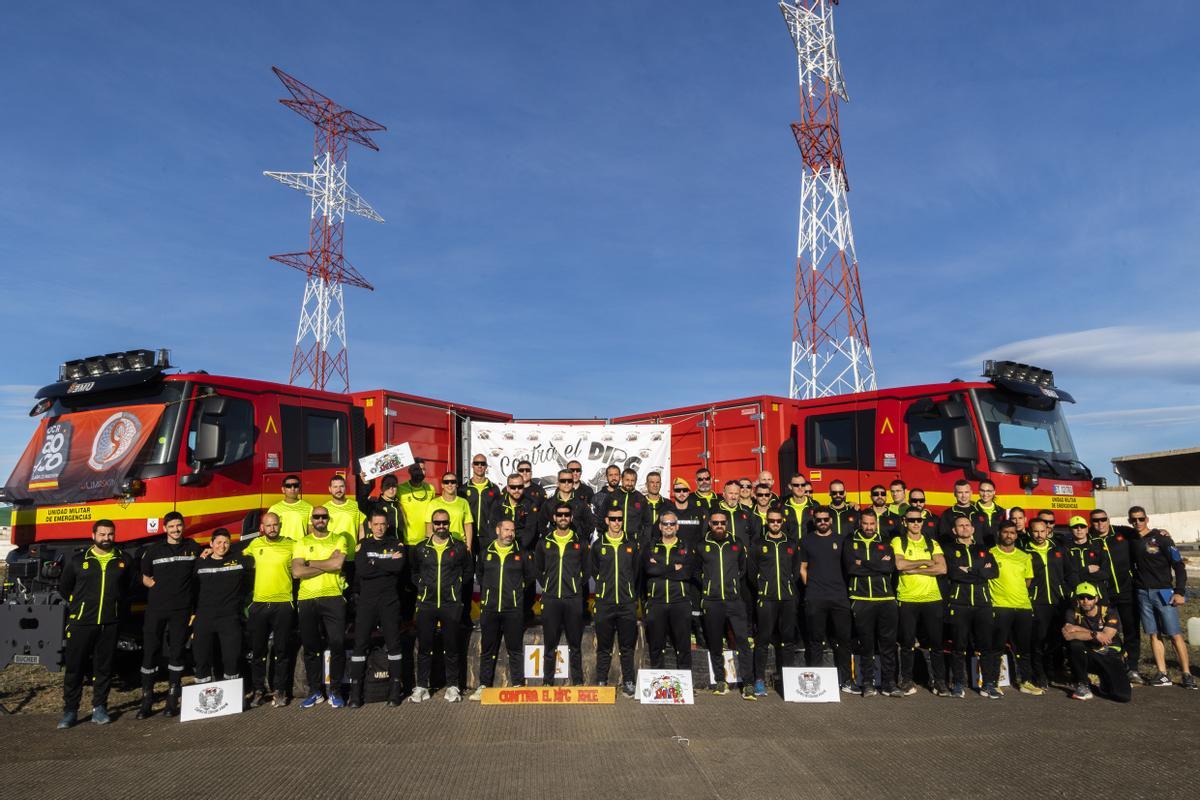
723	747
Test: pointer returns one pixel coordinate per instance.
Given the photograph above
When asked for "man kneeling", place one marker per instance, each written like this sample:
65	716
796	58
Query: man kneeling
1093	635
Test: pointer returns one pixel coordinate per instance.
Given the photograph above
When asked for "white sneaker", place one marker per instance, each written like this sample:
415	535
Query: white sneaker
477	695
419	695
453	695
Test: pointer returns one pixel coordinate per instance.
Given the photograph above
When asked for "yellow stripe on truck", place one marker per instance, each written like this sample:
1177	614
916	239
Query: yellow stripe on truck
1036	502
115	510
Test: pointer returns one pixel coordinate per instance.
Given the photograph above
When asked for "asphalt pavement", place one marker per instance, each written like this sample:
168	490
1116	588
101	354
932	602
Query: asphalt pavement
722	747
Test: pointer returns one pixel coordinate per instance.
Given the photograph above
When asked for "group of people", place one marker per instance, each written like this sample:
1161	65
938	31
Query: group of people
743	569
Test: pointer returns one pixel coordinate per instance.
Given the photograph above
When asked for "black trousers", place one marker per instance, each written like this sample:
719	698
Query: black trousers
774	624
1131	630
175	625
972	630
921	623
1046	643
828	621
1014	627
673	620
721	616
507	625
267	620
428	618
97	643
876	624
225	632
371	612
1107	663
559	616
323	625
619	619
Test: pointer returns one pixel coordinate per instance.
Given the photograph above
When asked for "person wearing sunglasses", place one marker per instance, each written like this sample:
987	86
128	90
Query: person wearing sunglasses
763	503
581	510
1117	544
1086	560
704	498
1092	631
533	489
293	512
631	504
561	560
720	561
930	521
887	525
745	493
827	615
845	514
797	509
615	562
479	492
691	531
344	514
1156	561
317	562
920	564
502	572
462	521
773	568
438	568
1048	595
667	567
514	506
582	490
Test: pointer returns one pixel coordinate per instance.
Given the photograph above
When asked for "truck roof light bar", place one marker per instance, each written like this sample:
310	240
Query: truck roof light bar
1015	371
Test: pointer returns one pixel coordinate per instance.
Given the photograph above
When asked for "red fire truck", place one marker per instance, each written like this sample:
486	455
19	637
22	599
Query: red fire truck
1009	428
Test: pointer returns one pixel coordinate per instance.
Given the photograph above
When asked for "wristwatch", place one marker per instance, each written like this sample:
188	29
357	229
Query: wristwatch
306	562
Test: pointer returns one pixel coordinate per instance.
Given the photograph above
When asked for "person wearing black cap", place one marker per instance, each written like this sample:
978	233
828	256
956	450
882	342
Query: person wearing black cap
1092	631
386	502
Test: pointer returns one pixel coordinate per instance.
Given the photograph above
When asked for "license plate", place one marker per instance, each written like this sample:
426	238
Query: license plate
1062	488
24	659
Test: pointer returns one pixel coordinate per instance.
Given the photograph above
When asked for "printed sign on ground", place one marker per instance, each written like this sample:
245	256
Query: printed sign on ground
731	675
207	700
811	685
668	687
533	662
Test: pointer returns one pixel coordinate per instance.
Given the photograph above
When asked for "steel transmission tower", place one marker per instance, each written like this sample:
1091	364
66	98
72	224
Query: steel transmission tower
321	356
831	352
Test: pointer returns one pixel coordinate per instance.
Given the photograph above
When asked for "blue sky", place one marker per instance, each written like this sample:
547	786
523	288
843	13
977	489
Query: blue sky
607	193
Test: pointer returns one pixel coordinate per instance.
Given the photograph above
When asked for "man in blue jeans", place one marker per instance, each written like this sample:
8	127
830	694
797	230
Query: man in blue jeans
1155	563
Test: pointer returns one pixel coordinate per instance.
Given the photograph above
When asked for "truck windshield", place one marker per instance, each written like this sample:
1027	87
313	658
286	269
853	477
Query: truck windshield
158	450
1023	431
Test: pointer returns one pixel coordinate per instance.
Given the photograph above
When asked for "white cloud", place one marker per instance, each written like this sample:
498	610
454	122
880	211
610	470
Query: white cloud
1163	415
1117	352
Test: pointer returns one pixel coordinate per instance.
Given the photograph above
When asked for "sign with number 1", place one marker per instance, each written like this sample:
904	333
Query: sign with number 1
533	661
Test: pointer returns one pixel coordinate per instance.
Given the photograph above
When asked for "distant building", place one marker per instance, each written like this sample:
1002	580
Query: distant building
1166	484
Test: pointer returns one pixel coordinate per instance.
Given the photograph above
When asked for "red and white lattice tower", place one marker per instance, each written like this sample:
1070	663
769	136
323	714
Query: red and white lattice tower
321	356
831	352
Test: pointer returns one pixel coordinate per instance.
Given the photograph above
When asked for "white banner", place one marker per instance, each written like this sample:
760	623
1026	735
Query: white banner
549	447
214	699
385	461
668	687
811	685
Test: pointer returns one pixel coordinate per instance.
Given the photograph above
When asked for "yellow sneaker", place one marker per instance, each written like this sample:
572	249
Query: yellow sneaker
1028	687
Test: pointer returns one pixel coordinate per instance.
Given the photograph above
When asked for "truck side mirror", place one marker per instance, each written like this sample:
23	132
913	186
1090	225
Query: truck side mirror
952	409
962	444
210	432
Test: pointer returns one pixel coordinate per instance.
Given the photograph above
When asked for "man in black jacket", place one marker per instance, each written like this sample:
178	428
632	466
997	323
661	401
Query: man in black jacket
1117	544
615	564
581	509
871	570
167	574
969	568
667	567
1086	560
502	572
561	560
480	494
94	583
720	562
773	567
437	570
379	570
1049	597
